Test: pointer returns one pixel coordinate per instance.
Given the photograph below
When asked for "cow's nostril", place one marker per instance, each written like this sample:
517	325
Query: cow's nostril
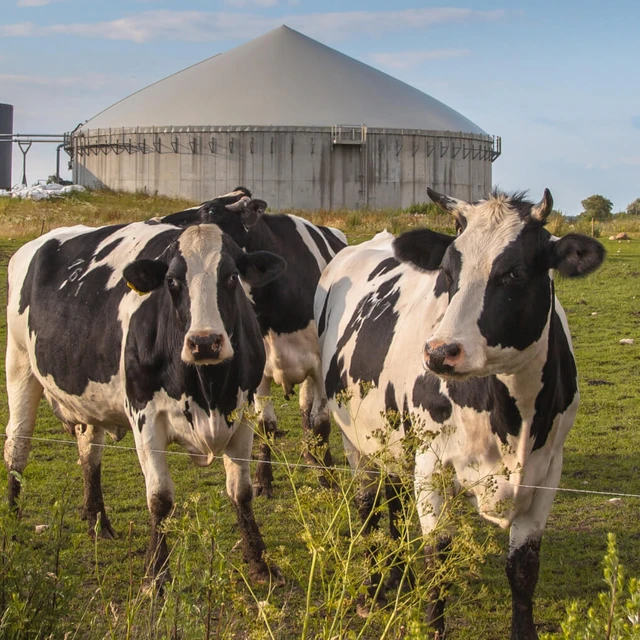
452	350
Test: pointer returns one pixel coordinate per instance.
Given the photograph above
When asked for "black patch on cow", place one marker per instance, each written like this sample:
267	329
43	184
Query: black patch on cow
322	321
105	251
185	218
336	378
406	416
441	286
426	394
389	264
423	248
319	242
74	311
451	267
391	411
187	414
142	418
517	297
559	383
374	323
335	243
286	304
491	395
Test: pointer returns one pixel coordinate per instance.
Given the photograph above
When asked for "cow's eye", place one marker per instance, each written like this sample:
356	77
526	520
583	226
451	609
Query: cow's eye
234	278
514	276
173	284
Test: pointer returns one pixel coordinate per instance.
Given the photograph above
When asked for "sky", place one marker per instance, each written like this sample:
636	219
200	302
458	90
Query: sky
558	80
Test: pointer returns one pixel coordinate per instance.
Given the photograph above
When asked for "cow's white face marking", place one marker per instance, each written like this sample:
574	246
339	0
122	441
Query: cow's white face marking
201	248
491	226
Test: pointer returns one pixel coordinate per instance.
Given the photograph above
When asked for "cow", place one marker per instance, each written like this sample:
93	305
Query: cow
143	327
285	312
462	339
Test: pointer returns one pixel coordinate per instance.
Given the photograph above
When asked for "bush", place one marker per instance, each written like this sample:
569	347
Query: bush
616	615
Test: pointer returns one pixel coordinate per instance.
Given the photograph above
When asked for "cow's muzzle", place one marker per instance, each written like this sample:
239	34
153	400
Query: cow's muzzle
441	357
206	347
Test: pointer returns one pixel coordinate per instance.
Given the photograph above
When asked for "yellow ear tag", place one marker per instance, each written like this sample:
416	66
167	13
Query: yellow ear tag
140	293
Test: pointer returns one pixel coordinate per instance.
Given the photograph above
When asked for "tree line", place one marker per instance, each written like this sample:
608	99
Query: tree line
597	207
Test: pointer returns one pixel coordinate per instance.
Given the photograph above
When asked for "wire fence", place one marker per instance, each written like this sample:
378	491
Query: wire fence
301	465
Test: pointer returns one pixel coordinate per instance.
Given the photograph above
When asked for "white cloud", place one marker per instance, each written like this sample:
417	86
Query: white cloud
18	30
201	26
248	3
94	82
36	3
408	59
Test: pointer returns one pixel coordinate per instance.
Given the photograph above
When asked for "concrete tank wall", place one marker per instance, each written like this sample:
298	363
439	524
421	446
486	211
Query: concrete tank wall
6	147
290	168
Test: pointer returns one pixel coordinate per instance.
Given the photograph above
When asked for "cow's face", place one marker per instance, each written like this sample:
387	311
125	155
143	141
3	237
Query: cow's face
202	275
498	275
235	218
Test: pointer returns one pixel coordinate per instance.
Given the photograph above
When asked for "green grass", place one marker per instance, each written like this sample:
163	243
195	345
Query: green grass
101	595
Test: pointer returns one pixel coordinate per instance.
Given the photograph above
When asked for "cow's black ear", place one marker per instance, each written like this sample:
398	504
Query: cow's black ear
253	212
576	255
143	276
422	247
260	268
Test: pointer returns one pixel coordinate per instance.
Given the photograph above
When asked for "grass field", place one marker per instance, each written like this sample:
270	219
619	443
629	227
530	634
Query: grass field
60	582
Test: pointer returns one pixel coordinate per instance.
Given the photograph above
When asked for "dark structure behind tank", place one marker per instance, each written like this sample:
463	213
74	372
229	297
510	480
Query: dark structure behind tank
6	146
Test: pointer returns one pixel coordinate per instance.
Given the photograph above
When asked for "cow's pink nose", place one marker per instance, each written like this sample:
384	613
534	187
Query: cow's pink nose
205	347
442	357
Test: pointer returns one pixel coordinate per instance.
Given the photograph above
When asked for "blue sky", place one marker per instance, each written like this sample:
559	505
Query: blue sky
558	80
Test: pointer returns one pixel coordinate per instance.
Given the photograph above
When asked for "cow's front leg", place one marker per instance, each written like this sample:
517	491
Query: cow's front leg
90	448
151	444
240	491
523	562
267	427
397	495
24	392
316	422
523	565
430	501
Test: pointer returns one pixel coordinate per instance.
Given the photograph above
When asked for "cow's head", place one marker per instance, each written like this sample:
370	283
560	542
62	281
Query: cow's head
235	213
498	275
201	272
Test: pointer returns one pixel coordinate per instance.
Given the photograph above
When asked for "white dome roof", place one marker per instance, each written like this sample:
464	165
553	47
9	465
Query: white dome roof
282	78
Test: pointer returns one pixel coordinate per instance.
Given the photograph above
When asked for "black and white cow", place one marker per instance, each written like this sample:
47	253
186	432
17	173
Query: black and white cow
284	308
463	332
144	327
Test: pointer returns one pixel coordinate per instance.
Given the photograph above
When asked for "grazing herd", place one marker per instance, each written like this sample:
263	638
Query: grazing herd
169	328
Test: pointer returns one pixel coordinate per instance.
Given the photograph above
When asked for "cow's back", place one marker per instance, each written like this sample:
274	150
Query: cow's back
68	309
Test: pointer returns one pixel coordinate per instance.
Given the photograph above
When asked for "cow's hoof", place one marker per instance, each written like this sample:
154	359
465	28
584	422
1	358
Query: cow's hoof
101	527
366	604
327	481
104	533
261	490
154	585
267	574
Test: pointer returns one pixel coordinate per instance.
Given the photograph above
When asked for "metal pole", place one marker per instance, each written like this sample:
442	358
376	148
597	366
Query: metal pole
60	146
25	149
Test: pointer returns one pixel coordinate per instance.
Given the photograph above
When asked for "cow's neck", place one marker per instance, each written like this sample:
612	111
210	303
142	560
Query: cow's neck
544	387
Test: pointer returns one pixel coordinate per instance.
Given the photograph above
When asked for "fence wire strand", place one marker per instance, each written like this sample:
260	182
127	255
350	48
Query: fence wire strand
300	465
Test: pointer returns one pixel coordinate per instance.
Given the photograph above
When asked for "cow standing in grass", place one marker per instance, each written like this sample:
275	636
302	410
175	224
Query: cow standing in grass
144	327
466	333
285	312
